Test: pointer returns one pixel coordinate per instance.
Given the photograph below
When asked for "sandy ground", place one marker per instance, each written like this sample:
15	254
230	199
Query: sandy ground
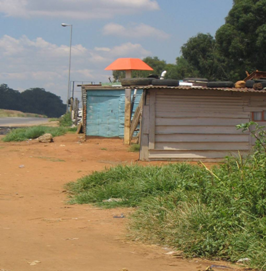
41	232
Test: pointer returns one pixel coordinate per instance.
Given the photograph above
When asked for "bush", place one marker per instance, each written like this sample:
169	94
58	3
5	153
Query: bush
65	120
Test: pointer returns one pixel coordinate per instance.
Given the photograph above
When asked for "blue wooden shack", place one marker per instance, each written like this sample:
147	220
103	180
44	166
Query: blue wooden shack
103	110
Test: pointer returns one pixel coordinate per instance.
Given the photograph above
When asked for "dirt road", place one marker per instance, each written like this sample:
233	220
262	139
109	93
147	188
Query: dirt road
21	121
39	231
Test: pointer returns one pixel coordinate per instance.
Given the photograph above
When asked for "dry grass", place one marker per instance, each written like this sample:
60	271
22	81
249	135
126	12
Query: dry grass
14	113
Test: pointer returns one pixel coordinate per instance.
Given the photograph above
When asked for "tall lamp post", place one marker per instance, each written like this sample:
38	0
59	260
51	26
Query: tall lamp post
68	96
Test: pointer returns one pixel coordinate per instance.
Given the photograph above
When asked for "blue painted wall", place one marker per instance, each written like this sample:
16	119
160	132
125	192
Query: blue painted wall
105	112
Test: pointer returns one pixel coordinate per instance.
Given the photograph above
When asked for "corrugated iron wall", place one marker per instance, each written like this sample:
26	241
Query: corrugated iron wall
195	125
105	112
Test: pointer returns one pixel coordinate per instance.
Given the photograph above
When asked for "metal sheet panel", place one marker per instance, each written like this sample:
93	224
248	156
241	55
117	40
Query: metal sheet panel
105	112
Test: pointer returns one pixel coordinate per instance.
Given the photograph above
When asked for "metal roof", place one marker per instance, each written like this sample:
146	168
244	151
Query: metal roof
243	90
149	87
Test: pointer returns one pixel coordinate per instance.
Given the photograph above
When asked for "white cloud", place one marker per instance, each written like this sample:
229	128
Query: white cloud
10	46
75	9
134	31
26	63
129	50
105	49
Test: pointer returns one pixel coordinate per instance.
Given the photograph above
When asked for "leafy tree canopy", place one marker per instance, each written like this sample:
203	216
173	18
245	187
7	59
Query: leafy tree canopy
35	100
242	39
238	46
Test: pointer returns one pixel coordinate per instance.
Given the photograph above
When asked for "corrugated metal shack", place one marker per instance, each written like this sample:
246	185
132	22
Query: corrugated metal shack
185	123
103	110
177	123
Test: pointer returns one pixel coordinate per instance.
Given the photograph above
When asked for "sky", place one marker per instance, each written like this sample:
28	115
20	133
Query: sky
34	47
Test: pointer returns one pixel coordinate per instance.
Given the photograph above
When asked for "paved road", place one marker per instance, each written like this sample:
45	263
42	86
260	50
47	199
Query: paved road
21	121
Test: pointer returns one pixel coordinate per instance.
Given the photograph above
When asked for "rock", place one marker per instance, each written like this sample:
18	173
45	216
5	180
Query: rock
243	260
113	200
175	253
35	262
46	138
119	216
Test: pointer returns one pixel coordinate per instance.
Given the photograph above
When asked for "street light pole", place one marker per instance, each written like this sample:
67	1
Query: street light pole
68	95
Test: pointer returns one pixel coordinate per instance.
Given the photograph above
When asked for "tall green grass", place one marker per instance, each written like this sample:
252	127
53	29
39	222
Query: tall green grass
65	120
134	148
206	213
218	212
223	214
22	134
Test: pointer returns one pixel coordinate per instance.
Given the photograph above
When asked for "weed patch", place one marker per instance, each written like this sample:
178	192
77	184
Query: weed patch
65	120
72	130
22	134
134	148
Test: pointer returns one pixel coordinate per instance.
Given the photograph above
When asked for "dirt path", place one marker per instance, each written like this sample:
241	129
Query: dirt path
39	231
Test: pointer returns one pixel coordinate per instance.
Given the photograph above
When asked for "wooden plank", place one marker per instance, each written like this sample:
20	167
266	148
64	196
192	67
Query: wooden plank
147	98
192	154
250	109
210	110
257	102
143	155
199	97
145	120
197	130
199	121
201	100
127	117
137	116
174	105
79	128
199	104
152	119
202	146
191	138
144	129
186	114
193	93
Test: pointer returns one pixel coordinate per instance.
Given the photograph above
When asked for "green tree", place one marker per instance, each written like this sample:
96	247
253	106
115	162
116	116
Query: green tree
184	69
241	41
35	100
202	58
9	98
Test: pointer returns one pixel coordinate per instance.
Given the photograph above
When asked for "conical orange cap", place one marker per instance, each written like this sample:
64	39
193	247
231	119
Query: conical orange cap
125	64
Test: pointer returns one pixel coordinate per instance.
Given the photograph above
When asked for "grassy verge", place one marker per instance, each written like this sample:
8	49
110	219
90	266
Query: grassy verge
22	134
53	119
205	213
13	113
